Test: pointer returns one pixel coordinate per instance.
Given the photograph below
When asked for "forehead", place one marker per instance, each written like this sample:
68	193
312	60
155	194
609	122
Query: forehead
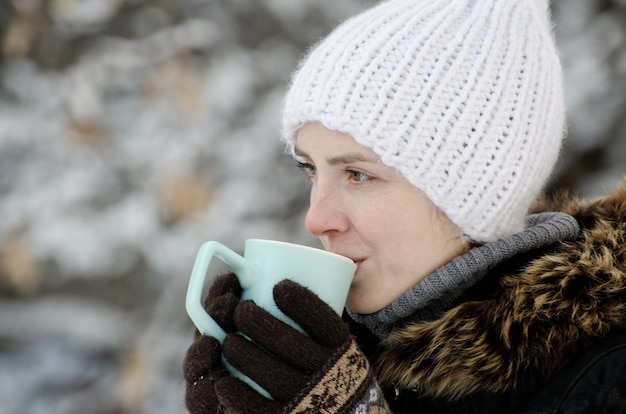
314	139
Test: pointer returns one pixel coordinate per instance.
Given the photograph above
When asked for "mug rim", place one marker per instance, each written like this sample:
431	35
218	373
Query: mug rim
296	246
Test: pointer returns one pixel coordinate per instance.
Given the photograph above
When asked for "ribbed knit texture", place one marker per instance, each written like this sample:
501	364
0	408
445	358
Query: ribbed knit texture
434	295
463	97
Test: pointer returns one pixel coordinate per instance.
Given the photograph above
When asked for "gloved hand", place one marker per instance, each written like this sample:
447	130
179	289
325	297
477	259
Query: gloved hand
202	366
321	373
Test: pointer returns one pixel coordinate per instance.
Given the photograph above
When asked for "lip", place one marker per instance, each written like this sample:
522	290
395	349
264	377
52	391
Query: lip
347	256
357	260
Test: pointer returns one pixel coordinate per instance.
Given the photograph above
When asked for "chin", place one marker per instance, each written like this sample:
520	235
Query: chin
362	305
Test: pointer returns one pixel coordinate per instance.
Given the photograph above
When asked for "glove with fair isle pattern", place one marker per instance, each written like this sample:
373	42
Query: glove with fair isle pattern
321	373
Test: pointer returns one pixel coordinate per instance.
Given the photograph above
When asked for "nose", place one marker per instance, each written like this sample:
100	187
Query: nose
327	213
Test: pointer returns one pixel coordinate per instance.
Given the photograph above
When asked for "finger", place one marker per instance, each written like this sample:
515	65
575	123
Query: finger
222	300
280	339
222	309
282	381
200	397
223	284
238	398
202	356
201	369
310	312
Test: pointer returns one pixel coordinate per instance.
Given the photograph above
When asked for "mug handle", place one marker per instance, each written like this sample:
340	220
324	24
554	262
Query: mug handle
193	303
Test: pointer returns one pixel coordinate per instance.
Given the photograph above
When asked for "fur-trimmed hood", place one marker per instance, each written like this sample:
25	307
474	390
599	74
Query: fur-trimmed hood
539	317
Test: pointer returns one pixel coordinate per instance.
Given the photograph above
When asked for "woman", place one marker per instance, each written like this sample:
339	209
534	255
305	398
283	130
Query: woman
428	129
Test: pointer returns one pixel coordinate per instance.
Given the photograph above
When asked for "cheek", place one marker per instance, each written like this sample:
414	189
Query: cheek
403	235
397	221
383	218
394	234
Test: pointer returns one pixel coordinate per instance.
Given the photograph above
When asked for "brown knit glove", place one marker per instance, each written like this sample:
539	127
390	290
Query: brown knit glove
321	373
202	366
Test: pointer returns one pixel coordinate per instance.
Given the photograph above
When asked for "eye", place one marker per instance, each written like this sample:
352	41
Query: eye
358	176
306	168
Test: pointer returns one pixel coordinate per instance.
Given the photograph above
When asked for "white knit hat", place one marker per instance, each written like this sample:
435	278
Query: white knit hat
463	97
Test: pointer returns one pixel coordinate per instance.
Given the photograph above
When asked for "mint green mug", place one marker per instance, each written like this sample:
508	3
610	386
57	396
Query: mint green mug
263	265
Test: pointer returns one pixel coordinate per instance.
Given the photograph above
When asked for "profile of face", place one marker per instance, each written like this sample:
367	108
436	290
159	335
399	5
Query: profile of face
366	211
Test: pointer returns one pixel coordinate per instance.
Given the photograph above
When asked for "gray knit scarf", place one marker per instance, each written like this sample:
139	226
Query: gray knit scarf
438	291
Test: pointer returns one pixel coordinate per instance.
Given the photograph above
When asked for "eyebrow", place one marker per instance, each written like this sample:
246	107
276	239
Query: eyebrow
348	158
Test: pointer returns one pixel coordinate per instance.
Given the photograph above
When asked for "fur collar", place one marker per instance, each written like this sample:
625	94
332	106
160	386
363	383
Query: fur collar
538	317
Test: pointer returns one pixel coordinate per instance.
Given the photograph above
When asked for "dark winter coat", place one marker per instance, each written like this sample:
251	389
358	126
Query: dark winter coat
542	333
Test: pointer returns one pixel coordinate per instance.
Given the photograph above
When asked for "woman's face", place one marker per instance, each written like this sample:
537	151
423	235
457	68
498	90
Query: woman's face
367	212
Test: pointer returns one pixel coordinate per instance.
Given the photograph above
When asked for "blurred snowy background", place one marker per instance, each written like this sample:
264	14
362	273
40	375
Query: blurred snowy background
131	131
